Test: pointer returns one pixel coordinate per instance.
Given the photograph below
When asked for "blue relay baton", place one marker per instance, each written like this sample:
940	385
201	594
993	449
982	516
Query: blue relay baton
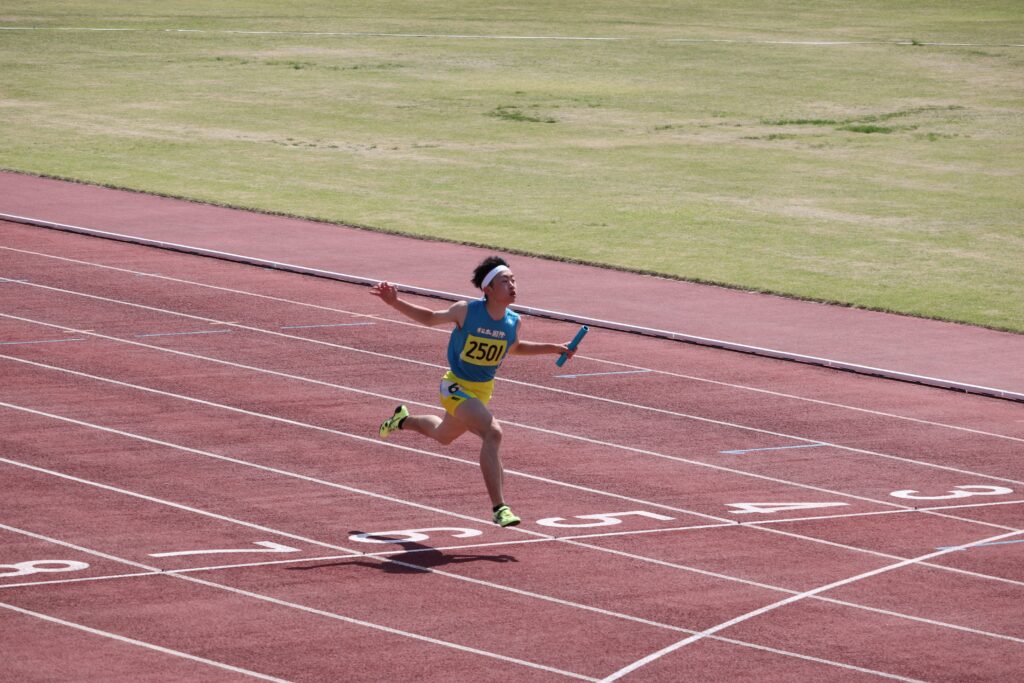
572	345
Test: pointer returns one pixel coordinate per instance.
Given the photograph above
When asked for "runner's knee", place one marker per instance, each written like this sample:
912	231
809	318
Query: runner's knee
493	433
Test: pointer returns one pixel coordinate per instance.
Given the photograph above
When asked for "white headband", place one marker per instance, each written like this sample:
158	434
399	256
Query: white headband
498	270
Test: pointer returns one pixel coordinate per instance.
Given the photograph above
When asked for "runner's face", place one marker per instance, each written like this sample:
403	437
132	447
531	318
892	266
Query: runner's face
503	287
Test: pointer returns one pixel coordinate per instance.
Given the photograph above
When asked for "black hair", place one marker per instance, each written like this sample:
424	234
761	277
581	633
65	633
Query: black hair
489	264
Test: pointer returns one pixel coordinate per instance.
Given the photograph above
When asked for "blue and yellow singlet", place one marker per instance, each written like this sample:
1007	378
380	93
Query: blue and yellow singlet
476	349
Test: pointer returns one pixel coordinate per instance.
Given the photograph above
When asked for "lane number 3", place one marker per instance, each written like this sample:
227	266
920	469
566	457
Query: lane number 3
965	491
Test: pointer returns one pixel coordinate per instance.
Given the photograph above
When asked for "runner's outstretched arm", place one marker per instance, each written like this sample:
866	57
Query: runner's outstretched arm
388	293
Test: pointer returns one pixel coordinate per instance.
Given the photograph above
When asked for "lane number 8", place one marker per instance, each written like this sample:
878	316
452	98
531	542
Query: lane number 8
40	567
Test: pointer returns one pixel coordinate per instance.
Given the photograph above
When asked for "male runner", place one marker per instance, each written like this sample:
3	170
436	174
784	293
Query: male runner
485	332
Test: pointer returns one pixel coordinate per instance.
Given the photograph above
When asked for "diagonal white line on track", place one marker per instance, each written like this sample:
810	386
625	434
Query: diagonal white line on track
830	404
538	536
300	607
265	468
140	643
579	543
415	450
576	605
177	506
181	573
618	615
508	422
344	347
790	600
358	437
394	321
512	472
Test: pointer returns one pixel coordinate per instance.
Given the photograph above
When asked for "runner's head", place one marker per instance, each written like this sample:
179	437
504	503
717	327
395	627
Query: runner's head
494	273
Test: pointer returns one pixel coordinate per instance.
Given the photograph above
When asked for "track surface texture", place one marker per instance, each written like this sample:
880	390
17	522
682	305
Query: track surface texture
925	348
194	490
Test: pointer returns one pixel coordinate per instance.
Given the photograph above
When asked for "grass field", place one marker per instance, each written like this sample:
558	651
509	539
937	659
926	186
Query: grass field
828	150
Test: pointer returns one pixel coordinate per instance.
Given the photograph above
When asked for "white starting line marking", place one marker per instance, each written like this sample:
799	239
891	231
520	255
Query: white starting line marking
182	334
140	643
41	341
307	327
796	598
596	374
775	448
980	545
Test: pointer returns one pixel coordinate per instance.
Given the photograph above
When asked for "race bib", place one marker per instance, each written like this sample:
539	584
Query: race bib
482	351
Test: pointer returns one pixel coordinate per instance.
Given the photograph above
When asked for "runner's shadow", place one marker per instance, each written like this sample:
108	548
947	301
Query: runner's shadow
416	559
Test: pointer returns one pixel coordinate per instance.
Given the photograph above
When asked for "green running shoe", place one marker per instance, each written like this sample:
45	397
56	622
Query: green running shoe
503	516
391	424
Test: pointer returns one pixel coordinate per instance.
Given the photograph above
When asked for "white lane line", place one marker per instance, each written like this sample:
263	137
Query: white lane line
304	608
578	537
538	429
774	448
980	545
141	643
590	608
462	460
722	576
308	327
599	374
601	399
379	556
853	605
815	401
405	323
508	422
386	629
790	600
392	398
420	506
182	334
41	341
177	506
58	582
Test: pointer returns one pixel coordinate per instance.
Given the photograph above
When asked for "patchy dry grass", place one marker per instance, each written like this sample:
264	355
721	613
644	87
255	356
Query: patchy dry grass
877	173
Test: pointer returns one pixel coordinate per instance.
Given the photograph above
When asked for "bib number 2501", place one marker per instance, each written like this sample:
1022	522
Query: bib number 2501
480	351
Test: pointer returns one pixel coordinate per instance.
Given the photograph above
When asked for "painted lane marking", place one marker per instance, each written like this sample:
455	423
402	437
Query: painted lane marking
41	341
141	643
183	334
301	607
405	323
555	390
307	327
357	437
790	600
598	374
980	545
431	406
177	506
667	564
638	619
775	448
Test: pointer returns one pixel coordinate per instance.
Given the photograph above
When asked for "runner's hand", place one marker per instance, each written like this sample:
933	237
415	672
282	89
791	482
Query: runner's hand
386	291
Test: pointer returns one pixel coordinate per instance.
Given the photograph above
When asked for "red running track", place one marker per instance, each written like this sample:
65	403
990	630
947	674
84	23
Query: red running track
193	489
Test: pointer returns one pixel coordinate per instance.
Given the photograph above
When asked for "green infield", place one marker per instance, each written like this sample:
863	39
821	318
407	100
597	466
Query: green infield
857	153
